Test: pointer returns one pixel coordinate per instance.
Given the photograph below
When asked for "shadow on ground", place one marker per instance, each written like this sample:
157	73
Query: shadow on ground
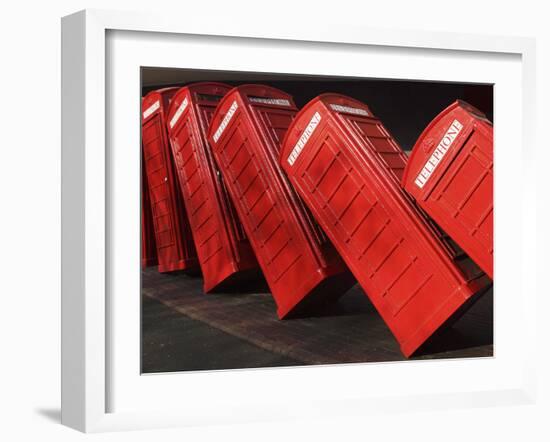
185	329
51	414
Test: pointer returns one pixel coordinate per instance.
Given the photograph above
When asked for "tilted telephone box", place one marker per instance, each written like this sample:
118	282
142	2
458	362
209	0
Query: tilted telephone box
300	265
224	252
148	244
450	175
175	247
346	167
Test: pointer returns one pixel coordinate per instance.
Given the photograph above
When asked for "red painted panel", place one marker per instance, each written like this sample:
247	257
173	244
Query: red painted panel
450	174
148	244
175	247
224	252
300	265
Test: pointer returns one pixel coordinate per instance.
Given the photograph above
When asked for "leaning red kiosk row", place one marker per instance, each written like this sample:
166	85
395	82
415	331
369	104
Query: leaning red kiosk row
239	182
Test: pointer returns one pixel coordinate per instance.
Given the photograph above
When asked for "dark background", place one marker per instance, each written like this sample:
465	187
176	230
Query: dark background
405	107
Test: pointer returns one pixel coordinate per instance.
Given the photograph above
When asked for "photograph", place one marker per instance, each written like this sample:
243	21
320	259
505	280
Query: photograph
297	220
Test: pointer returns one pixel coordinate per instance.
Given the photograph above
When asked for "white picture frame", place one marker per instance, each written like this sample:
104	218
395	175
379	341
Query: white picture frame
92	185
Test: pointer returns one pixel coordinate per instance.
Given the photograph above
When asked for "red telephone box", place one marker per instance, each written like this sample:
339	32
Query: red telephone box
225	255
299	263
450	174
148	245
175	247
346	167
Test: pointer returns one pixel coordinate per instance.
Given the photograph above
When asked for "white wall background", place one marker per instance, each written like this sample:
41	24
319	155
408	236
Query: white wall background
30	214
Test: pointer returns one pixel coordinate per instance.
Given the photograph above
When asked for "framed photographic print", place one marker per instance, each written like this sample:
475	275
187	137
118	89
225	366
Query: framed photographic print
281	223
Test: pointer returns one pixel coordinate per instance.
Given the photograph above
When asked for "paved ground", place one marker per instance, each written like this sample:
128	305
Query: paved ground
185	329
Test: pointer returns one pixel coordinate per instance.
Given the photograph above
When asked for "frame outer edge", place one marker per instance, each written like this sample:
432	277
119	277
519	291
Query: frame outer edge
530	211
83	249
219	26
73	80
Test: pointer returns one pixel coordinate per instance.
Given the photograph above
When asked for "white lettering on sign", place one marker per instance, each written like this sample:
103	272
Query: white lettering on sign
304	138
275	101
225	121
349	109
154	107
438	154
178	113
